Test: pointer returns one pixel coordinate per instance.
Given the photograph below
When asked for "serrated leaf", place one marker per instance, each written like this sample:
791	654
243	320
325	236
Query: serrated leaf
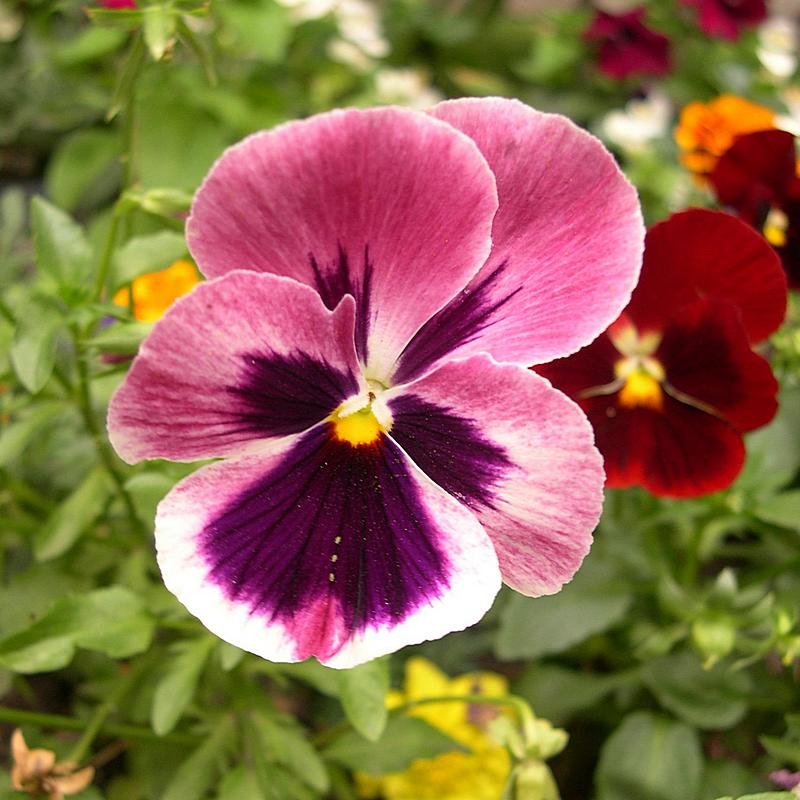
650	756
362	691
196	775
62	250
73	516
404	740
706	698
284	742
176	688
33	351
16	436
111	621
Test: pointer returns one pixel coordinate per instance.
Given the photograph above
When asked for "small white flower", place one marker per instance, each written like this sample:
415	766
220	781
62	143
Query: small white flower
639	123
777	46
406	87
790	121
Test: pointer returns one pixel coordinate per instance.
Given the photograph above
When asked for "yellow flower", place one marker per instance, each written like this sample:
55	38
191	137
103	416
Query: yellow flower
706	130
155	292
36	772
480	773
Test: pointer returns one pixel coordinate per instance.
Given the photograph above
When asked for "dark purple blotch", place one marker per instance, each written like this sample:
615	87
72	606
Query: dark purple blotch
335	280
275	546
450	449
281	395
459	322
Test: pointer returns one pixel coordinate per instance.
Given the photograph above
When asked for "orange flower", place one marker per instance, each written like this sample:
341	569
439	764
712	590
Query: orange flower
155	292
36	772
706	130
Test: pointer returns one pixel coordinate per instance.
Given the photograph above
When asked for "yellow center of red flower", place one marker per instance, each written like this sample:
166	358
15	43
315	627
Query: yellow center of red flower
641	390
775	226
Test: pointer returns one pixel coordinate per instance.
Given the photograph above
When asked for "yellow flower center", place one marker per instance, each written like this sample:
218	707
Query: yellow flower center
360	421
642	376
641	390
775	227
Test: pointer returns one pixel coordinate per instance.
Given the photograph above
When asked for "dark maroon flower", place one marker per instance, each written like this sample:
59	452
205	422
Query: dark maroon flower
725	19
626	46
673	384
757	178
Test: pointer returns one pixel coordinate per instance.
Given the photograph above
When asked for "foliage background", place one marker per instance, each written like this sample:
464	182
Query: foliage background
672	657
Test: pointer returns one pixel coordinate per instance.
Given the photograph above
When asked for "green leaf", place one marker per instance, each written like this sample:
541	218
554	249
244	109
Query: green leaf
134	61
781	509
650	756
159	29
262	27
122	338
150	253
196	775
706	698
362	691
284	742
533	627
557	693
62	250
12	217
111	621
73	516
404	740
33	351
239	784
16	436
764	796
79	164
176	688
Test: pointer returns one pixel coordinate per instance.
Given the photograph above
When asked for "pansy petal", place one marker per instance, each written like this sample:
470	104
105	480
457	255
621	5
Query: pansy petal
240	360
567	242
708	361
325	549
516	451
678	451
699	253
387	204
756	171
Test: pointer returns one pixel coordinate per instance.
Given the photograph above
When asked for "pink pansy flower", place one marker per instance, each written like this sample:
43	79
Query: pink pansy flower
117	4
380	280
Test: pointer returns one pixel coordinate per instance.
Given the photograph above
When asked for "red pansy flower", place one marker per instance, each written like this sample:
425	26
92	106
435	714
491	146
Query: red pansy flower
117	4
724	19
757	177
671	386
626	46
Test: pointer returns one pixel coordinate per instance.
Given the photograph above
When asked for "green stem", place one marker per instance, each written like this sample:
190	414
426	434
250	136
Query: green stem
101	445
106	256
16	716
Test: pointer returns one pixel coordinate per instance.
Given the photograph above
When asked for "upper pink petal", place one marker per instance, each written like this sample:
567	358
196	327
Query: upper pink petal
240	360
568	239
517	452
386	204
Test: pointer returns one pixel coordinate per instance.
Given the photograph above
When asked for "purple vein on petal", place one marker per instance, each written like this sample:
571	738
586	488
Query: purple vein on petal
281	395
458	323
451	450
336	280
334	536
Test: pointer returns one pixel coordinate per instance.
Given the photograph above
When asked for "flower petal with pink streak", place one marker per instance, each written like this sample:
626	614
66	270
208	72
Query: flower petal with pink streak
519	453
325	549
567	242
386	204
240	360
